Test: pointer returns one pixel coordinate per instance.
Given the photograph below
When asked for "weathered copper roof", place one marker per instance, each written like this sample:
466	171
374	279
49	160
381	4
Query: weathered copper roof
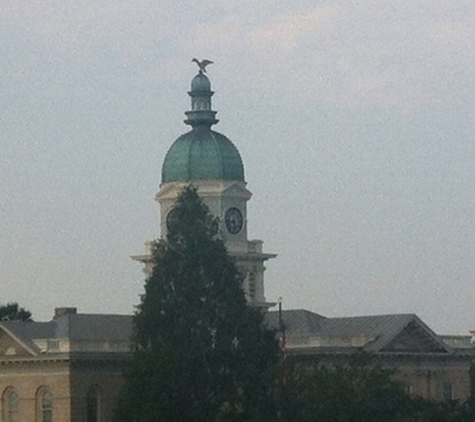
200	83
202	154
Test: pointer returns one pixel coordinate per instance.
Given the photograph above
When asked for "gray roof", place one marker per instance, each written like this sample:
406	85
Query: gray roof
74	327
378	333
380	330
27	331
296	321
382	327
94	327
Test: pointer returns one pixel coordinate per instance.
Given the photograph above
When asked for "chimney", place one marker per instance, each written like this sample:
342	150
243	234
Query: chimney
60	312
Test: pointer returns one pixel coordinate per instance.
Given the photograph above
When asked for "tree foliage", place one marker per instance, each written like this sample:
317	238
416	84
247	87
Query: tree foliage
13	312
349	392
201	353
356	390
451	411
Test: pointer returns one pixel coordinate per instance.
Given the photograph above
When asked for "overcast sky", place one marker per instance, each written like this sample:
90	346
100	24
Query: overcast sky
354	119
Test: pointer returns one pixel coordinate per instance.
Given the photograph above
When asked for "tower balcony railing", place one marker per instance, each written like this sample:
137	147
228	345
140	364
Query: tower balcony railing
250	247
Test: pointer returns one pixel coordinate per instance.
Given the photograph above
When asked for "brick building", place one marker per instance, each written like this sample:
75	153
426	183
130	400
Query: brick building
428	365
67	369
70	368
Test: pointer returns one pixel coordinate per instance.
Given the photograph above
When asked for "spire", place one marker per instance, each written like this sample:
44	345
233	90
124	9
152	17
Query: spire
201	113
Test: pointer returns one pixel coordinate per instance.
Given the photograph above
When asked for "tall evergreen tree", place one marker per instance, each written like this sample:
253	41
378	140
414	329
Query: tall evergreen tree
201	353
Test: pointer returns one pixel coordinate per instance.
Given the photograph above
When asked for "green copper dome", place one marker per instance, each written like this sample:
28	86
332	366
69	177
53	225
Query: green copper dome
200	83
202	154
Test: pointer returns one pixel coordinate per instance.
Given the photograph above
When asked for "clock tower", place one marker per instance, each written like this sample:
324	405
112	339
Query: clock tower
209	161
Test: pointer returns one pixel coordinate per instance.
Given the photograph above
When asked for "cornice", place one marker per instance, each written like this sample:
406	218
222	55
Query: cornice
73	357
25	360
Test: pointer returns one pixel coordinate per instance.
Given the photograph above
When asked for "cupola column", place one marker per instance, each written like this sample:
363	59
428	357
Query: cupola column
201	113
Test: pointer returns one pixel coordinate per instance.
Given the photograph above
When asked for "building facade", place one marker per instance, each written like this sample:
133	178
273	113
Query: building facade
428	365
67	369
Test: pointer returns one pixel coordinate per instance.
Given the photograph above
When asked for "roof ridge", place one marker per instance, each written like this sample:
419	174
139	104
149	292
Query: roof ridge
412	315
96	314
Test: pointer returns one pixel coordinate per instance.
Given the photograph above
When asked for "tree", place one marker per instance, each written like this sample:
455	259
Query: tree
451	411
201	353
12	312
355	391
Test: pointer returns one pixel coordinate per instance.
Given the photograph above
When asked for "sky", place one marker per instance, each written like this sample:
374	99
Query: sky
354	119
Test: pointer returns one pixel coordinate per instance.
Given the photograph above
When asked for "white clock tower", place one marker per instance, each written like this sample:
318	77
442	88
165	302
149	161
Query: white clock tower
209	161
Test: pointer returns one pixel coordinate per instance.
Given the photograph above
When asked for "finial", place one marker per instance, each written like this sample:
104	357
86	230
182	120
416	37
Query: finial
202	64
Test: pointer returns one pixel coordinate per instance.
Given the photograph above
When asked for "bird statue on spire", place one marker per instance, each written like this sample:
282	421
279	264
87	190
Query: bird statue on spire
202	64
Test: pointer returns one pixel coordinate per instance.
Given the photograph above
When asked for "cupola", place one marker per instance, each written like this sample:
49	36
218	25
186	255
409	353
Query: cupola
202	153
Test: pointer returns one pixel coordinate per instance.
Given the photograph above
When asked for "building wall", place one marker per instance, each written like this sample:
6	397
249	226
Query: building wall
28	378
436	379
106	377
69	384
429	376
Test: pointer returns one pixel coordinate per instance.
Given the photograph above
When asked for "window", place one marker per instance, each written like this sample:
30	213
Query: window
447	392
252	285
11	403
44	402
93	404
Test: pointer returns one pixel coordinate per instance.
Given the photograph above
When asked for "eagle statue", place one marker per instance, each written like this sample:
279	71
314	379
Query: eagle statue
202	64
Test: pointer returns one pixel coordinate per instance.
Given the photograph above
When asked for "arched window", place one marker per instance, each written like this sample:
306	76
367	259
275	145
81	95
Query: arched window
11	404
252	285
447	392
93	404
44	405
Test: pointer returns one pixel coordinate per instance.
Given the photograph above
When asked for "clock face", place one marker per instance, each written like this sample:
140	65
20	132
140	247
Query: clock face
171	218
233	220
